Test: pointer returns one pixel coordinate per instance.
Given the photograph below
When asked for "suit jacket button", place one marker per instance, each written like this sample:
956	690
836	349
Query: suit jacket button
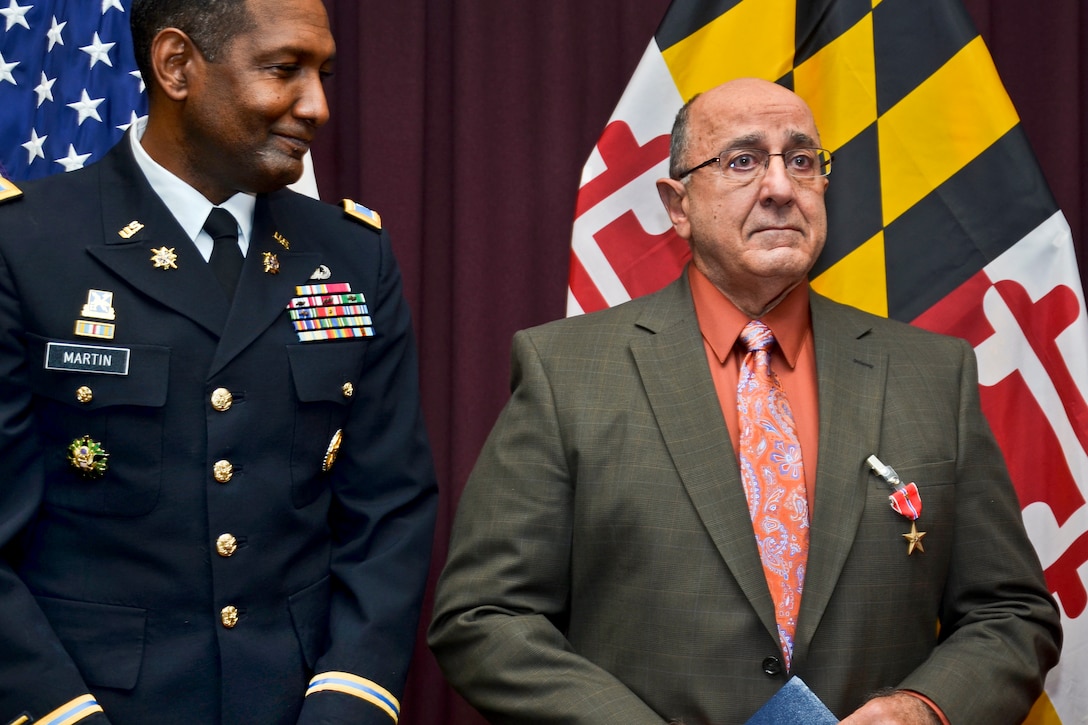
226	545
772	666
223	471
229	616
222	399
84	394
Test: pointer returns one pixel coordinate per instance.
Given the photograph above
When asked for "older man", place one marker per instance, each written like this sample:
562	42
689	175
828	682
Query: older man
218	496
686	499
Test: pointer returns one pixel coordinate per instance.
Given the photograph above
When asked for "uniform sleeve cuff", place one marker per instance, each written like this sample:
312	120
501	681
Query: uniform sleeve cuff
355	686
71	712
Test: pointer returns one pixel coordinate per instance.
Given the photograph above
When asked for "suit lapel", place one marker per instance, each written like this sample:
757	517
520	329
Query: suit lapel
674	372
263	293
851	377
189	289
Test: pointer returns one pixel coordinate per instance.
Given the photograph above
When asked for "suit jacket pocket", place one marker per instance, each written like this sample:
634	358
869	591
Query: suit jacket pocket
882	533
325	377
310	615
118	404
105	641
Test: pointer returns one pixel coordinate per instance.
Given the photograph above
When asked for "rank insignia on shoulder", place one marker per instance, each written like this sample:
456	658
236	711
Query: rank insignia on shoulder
9	190
358	211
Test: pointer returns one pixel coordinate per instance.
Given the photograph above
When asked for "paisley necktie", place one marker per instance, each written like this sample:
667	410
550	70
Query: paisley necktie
774	479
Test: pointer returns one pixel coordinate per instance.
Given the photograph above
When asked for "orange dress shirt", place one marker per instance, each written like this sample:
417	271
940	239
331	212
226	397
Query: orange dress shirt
793	360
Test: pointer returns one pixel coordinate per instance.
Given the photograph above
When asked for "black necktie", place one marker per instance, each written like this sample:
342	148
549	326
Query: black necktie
226	260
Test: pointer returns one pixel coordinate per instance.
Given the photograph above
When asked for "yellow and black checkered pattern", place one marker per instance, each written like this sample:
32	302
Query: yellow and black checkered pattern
932	178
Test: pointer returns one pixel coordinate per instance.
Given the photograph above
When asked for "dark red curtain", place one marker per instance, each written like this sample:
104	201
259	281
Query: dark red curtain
466	125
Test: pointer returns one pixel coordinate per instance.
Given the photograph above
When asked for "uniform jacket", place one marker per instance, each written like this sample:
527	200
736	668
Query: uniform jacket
603	567
171	589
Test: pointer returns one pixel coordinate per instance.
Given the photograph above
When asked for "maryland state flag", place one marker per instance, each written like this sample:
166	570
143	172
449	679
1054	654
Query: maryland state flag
938	216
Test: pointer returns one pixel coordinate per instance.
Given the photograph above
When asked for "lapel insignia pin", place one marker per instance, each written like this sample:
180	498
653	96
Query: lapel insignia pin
282	240
271	263
905	500
129	229
321	272
88	457
164	258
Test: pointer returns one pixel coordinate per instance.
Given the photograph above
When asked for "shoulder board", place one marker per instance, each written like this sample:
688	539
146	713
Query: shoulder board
8	190
360	212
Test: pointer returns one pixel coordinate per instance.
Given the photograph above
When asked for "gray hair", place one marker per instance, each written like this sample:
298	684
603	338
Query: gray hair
678	141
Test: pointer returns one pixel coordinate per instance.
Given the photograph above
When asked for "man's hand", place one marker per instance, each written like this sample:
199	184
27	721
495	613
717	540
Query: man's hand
898	708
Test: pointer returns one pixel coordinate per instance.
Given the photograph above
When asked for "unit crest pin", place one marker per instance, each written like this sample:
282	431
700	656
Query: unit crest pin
271	263
164	258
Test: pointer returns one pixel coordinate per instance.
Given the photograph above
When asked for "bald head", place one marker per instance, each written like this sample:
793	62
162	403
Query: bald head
729	103
755	225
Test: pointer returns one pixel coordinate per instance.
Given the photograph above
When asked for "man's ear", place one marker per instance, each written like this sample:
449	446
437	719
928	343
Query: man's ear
172	57
674	195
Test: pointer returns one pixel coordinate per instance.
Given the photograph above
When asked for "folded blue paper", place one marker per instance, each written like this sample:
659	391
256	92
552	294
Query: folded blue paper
794	704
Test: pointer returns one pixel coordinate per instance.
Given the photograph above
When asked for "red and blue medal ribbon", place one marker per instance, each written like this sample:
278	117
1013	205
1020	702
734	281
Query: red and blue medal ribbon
907	501
905	498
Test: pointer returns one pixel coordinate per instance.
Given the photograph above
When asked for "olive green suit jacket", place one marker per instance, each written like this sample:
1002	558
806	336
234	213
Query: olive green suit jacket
603	567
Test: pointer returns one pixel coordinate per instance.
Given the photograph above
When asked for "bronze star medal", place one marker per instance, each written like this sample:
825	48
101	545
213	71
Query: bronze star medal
914	539
164	258
905	500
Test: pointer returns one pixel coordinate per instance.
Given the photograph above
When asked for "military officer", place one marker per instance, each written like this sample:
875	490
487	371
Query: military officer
218	498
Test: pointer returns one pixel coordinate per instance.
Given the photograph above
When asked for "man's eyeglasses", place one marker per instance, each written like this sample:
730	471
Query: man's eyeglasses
745	165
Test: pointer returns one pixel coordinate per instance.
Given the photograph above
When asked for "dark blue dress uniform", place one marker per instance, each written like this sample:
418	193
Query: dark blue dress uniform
206	516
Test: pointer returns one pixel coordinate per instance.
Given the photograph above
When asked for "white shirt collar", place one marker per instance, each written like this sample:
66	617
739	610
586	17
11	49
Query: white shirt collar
188	205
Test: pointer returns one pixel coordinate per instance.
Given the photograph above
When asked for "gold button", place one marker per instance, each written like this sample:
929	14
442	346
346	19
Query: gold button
226	545
84	394
349	390
229	616
222	399
223	471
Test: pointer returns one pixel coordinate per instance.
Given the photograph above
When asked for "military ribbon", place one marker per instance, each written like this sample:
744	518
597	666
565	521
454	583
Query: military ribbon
905	500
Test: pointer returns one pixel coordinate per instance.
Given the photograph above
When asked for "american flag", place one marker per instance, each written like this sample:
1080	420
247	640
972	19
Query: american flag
69	86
